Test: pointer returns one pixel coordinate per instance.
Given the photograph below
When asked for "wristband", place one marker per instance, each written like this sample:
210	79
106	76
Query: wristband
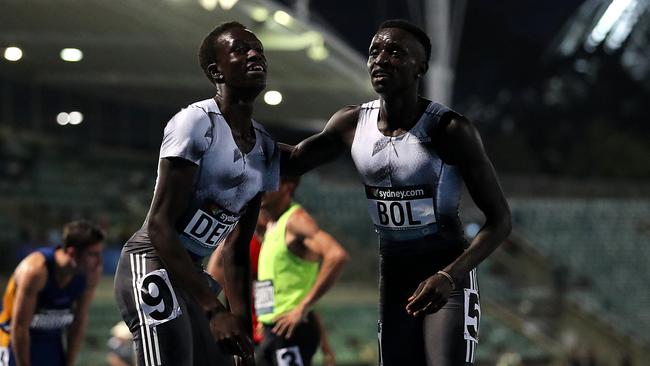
449	278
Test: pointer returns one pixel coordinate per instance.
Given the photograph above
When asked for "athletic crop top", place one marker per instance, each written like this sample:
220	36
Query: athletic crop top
226	178
410	190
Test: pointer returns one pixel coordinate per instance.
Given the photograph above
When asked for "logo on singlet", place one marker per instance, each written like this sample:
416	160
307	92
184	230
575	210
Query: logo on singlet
209	227
401	207
50	319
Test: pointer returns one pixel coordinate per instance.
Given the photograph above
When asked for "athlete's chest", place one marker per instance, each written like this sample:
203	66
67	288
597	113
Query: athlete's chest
226	166
406	159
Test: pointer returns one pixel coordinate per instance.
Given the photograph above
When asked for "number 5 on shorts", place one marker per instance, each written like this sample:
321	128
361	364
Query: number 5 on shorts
157	298
472	315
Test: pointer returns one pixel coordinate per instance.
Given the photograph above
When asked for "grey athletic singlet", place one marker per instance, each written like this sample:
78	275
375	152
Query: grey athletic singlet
409	188
226	178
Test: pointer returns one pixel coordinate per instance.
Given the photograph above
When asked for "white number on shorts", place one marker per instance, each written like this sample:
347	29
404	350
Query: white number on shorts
289	356
4	356
472	314
157	298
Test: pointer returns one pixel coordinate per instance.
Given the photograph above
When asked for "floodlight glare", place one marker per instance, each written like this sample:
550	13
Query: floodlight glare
71	54
259	14
227	4
13	53
283	18
272	97
63	118
76	118
209	5
317	52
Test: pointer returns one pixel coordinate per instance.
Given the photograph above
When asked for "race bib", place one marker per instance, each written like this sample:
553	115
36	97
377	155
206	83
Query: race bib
264	297
289	356
157	298
4	356
209	227
399	208
472	315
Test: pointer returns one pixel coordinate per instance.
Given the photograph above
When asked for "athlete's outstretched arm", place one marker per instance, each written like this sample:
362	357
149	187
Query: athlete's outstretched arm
30	278
171	198
78	327
460	145
322	147
333	258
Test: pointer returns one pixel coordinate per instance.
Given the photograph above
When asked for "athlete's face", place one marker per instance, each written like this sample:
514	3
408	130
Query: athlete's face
396	60
271	200
240	60
90	259
275	200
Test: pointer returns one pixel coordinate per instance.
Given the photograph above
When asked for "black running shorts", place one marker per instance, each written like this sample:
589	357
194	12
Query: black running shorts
446	338
169	328
298	350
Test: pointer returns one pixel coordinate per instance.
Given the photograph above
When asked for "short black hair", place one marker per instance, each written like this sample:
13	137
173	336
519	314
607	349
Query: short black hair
81	234
416	31
295	179
208	48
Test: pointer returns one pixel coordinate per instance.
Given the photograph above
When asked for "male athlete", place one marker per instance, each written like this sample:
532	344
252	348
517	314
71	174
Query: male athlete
215	161
48	296
298	263
413	155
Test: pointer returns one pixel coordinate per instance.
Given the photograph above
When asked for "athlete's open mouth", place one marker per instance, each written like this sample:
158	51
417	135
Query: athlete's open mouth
256	67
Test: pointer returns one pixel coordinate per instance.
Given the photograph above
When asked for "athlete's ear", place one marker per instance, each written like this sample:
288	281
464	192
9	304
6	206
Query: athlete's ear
214	72
71	252
424	66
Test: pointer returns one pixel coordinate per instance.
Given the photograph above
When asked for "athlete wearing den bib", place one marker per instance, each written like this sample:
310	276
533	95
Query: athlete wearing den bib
214	163
413	156
48	296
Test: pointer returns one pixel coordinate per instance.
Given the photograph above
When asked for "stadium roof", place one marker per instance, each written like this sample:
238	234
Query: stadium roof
145	51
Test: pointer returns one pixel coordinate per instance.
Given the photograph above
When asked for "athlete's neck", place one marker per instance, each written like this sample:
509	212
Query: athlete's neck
280	209
236	108
398	113
64	268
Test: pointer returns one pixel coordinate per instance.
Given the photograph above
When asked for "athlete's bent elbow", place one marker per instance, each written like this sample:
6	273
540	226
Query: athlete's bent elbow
504	225
340	256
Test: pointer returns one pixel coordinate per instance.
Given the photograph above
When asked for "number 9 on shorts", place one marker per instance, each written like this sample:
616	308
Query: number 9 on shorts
157	298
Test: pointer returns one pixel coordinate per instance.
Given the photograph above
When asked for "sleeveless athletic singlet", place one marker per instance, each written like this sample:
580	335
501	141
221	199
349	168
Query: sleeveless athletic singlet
410	190
52	316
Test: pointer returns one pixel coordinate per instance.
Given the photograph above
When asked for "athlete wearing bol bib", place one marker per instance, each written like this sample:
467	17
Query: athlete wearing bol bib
169	327
413	199
412	155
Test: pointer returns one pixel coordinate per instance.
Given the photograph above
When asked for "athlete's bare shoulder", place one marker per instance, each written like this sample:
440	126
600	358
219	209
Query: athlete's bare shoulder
32	271
457	139
343	123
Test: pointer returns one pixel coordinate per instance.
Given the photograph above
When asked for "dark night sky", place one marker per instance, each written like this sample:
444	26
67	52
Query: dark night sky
503	40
